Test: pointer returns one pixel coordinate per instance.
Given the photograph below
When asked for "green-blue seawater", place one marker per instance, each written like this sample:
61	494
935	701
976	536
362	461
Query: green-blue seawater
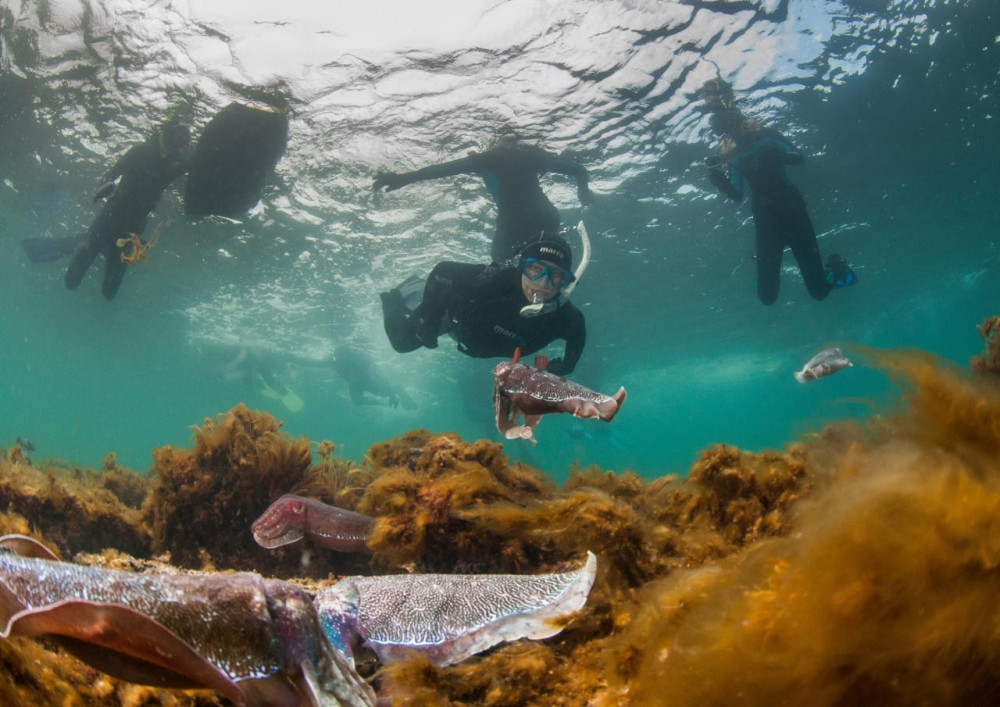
896	105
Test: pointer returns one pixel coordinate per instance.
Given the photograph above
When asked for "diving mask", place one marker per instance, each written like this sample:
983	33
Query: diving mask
535	270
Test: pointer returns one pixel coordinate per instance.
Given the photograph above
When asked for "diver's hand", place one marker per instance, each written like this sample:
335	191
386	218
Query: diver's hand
390	180
104	190
792	158
719	179
557	366
427	335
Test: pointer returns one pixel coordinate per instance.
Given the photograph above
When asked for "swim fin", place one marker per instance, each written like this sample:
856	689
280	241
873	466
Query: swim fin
47	250
290	399
839	273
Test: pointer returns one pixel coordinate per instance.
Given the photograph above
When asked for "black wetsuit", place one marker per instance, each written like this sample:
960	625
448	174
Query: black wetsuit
480	306
144	173
780	218
363	376
511	176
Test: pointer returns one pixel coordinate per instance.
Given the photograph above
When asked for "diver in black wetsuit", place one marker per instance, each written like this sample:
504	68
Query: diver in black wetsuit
758	155
480	306
511	173
145	170
365	381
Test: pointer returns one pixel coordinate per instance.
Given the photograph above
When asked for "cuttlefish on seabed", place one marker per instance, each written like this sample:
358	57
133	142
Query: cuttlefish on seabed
261	642
291	518
523	390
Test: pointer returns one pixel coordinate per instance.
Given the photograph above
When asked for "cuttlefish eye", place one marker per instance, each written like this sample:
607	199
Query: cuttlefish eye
297	507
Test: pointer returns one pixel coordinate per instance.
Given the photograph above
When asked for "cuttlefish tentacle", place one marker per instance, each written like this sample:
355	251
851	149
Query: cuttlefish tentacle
451	617
255	641
523	390
291	518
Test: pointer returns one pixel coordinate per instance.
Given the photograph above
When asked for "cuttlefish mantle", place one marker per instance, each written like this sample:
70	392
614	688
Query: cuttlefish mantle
522	390
449	618
262	642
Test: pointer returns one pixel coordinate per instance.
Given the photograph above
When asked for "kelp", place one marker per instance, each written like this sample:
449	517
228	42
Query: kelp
77	510
419	495
205	498
989	360
884	594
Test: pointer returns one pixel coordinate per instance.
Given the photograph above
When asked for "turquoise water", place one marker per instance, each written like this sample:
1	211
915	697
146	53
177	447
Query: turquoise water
895	105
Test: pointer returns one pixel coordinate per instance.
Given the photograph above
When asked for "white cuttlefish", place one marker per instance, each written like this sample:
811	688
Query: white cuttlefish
825	363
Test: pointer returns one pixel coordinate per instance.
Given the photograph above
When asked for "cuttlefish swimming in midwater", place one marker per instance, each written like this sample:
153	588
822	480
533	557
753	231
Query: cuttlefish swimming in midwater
522	390
825	363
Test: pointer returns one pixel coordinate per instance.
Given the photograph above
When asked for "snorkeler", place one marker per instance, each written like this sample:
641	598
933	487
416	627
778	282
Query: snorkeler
142	175
510	171
366	383
483	307
758	155
237	151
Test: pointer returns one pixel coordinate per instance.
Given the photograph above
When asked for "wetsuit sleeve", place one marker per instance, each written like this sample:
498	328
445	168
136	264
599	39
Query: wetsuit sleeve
772	145
560	165
778	145
392	180
730	185
130	159
575	334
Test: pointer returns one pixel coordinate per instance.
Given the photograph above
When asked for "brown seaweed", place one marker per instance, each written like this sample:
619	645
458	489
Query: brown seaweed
989	360
239	464
884	594
77	510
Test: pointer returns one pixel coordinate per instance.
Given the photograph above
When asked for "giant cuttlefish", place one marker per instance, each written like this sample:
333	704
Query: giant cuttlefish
268	642
825	363
522	390
291	518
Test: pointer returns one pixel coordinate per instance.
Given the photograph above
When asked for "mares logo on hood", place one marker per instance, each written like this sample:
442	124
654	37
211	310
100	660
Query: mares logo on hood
552	248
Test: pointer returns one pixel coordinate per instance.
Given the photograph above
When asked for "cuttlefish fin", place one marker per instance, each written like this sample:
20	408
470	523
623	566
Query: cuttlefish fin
462	615
10	605
619	399
121	642
605	410
27	547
